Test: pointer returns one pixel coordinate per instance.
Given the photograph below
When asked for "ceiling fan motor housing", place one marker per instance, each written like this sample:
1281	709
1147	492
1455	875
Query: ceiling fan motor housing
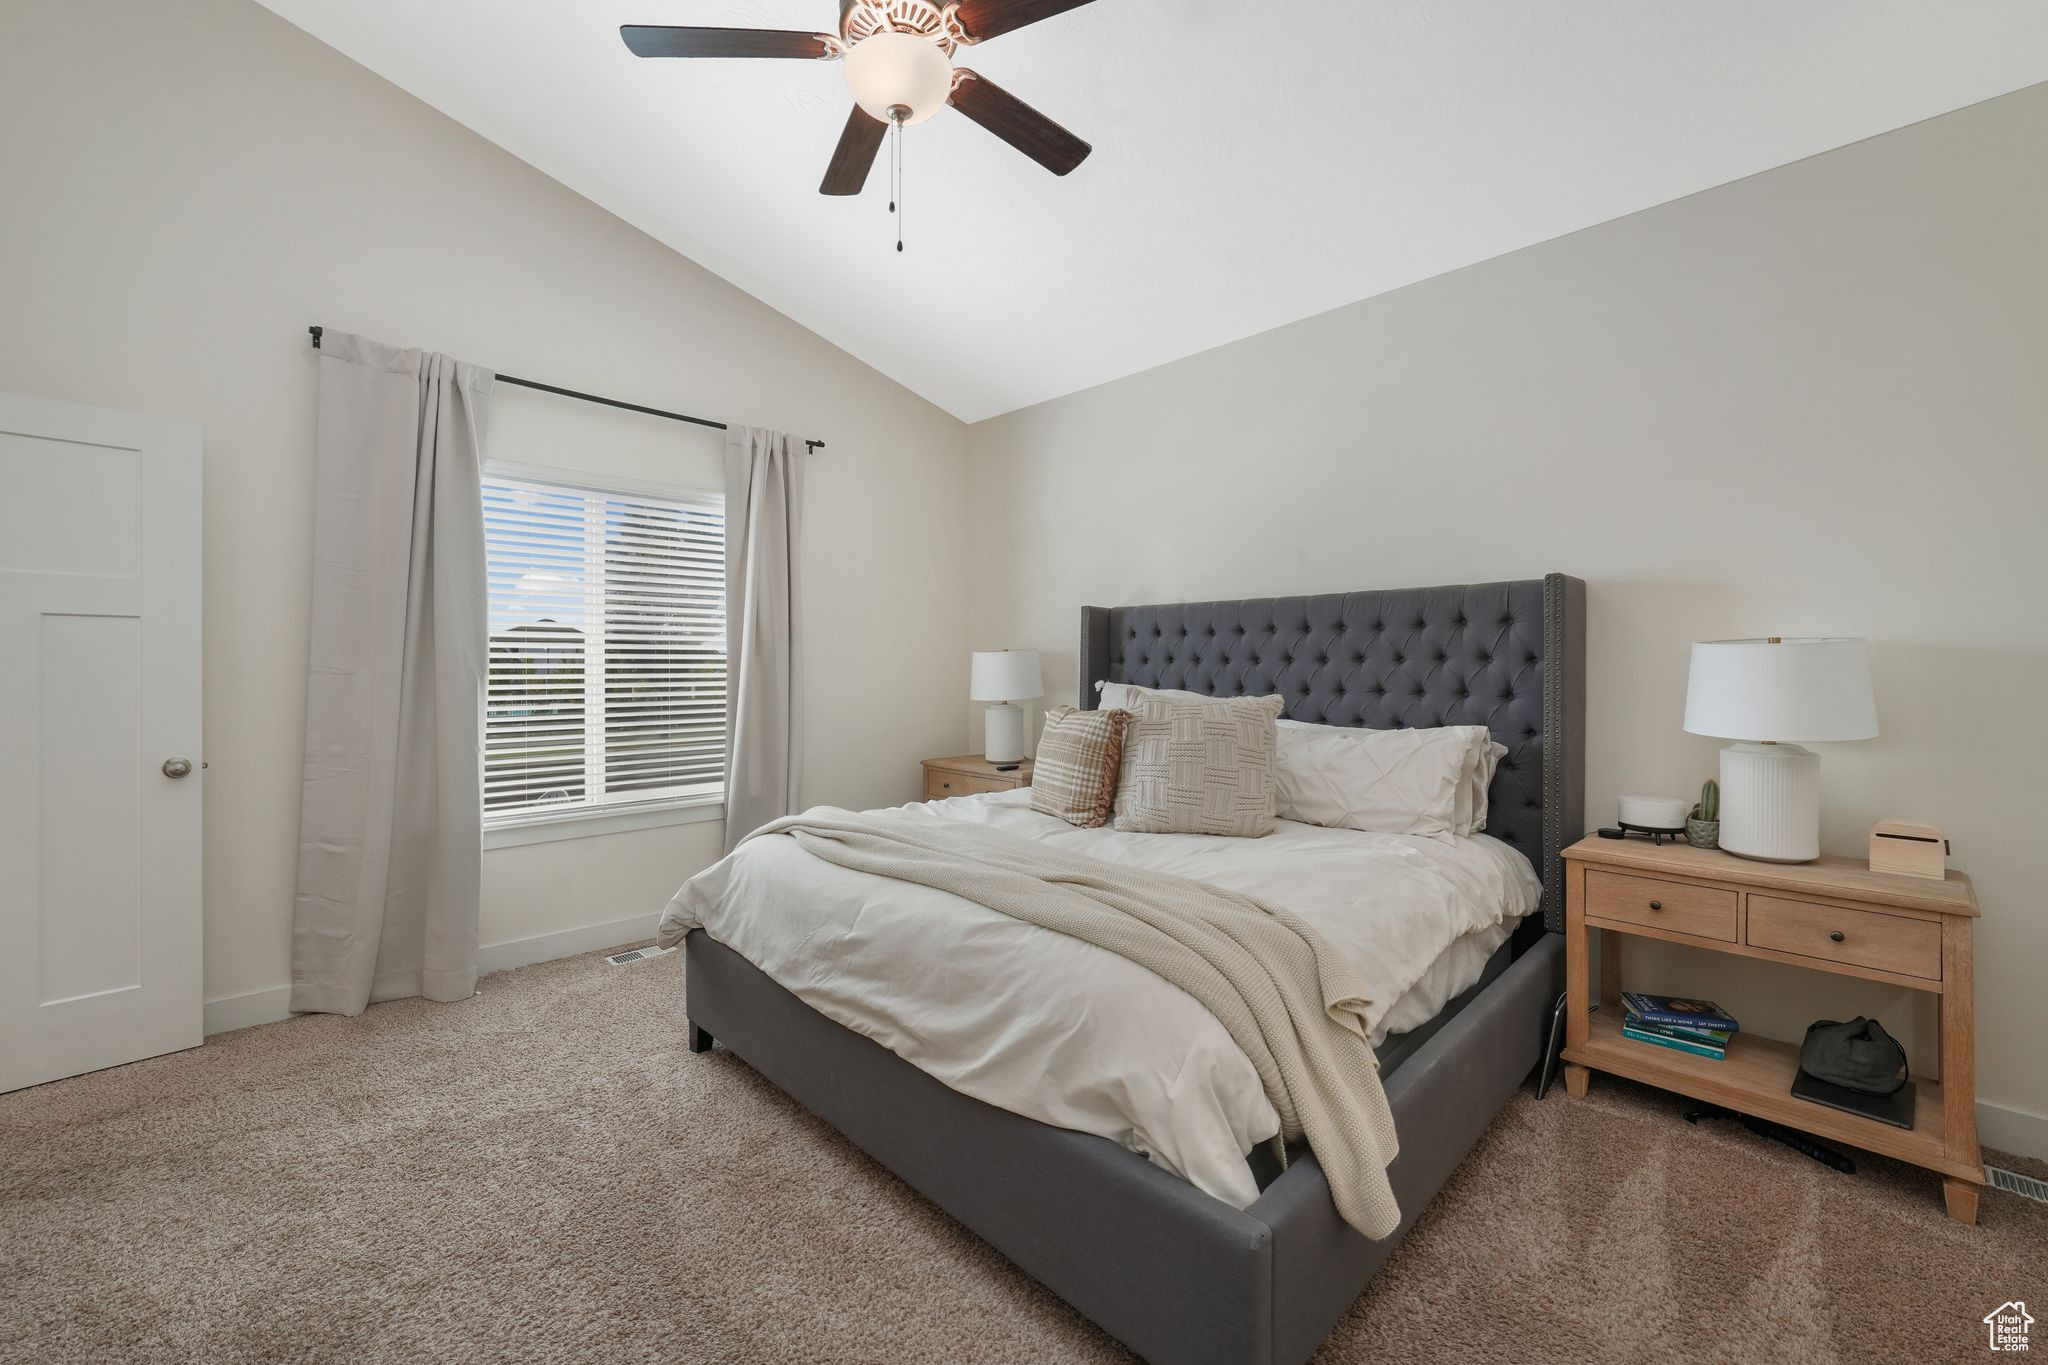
863	19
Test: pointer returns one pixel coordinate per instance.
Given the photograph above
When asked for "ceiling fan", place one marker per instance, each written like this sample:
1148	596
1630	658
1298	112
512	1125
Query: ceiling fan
899	64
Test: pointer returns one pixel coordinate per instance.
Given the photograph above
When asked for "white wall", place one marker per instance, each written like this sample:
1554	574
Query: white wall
188	186
1810	402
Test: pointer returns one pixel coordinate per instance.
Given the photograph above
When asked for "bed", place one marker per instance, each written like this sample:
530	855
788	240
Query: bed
1176	1273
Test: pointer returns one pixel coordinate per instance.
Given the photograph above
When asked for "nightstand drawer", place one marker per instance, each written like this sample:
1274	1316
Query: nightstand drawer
971	775
1834	933
940	786
1681	907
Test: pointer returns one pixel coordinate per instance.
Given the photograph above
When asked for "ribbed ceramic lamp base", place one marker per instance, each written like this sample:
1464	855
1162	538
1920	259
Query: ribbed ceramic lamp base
1005	734
1770	802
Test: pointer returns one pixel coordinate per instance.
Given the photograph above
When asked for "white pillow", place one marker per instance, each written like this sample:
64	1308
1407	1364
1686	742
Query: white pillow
1486	754
1126	696
1383	781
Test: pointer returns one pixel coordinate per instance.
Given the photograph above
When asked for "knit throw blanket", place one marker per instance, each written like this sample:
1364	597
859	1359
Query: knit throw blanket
1285	996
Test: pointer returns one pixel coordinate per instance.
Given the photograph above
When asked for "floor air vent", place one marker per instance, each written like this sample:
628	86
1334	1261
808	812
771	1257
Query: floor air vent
2012	1182
637	955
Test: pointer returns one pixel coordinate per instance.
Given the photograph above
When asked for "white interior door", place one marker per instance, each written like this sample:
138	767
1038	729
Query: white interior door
99	706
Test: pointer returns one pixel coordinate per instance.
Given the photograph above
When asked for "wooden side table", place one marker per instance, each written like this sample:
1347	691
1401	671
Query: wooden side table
1834	915
971	774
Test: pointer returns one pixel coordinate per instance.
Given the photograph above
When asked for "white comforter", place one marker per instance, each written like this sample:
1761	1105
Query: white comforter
1055	1029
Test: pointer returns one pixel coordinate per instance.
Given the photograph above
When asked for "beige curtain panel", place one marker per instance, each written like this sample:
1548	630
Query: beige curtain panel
390	815
764	673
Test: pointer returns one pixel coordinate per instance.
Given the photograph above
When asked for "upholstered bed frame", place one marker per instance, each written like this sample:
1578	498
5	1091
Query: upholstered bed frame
1173	1273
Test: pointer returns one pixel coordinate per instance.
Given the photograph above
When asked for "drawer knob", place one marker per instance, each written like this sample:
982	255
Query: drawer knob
1838	936
1656	905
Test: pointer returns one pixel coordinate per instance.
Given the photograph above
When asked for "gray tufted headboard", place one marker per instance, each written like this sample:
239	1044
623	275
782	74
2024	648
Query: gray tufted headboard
1509	656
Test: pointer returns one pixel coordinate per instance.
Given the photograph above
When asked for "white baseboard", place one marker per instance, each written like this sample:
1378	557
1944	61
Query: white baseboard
229	1012
524	952
2013	1130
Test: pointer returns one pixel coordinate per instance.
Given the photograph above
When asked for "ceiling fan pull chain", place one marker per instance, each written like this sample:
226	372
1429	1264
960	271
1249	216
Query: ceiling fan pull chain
896	205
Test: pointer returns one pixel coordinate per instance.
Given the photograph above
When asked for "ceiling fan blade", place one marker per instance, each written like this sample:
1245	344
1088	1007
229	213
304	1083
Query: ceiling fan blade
986	19
656	40
854	157
1017	123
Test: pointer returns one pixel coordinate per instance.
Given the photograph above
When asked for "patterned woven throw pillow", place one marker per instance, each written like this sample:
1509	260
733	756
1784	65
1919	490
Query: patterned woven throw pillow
1076	770
1199	767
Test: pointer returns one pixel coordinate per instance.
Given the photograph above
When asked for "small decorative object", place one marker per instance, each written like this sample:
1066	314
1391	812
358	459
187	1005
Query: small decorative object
1005	676
1766	694
1858	1055
1703	826
1660	817
1909	849
1856	1067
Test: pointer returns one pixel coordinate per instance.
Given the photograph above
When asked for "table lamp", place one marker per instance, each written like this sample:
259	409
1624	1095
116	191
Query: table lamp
1767	695
1005	676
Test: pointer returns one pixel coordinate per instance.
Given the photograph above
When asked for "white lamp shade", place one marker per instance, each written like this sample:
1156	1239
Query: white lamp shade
892	69
1785	691
1005	675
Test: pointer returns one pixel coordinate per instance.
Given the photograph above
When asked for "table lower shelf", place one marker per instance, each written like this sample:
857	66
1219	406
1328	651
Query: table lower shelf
1756	1078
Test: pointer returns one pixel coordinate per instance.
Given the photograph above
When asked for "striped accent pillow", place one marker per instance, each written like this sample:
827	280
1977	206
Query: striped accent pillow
1078	758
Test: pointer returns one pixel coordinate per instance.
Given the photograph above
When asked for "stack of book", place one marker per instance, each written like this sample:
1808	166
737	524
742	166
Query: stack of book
1697	1026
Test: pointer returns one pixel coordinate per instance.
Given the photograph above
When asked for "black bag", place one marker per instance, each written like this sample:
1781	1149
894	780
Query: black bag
1858	1055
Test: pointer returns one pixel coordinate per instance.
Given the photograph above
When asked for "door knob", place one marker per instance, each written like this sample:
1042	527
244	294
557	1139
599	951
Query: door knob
177	767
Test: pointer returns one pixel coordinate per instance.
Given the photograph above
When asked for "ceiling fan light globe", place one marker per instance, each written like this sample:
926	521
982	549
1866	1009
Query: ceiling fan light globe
890	70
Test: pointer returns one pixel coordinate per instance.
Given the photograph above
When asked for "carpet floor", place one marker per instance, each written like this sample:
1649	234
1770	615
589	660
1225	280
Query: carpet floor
544	1173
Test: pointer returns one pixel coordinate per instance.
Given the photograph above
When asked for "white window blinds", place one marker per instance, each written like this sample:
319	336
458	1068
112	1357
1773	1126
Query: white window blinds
607	649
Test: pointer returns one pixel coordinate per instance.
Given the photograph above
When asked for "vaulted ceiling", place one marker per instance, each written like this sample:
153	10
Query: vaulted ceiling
1255	163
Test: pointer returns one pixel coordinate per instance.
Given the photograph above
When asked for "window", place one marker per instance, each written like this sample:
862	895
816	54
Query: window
607	649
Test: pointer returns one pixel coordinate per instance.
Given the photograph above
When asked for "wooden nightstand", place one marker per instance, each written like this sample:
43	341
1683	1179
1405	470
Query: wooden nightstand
970	774
1834	915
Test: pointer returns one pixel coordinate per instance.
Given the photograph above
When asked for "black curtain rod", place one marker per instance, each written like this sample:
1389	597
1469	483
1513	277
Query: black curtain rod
593	398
